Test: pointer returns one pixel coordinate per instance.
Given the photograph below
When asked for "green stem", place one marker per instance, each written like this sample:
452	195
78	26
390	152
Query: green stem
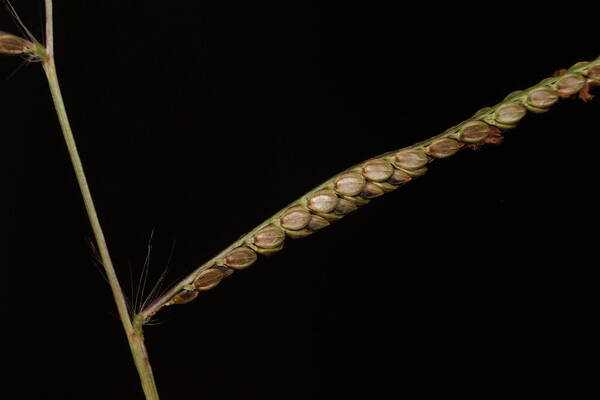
133	331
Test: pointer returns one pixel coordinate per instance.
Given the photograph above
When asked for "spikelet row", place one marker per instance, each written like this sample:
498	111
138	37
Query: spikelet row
360	184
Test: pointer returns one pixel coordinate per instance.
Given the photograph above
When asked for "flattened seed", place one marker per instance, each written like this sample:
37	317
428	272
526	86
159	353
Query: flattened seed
543	97
185	296
208	279
570	84
317	223
240	258
399	177
411	159
510	113
349	184
443	148
371	191
345	207
377	170
323	201
295	218
474	132
269	238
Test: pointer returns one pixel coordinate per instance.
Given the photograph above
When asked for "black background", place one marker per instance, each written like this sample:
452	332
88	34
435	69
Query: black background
200	119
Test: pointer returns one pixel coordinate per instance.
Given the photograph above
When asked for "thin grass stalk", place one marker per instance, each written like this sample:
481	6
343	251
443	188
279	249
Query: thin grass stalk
133	331
356	186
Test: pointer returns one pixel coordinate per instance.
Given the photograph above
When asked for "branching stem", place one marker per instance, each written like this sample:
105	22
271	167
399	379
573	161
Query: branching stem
133	330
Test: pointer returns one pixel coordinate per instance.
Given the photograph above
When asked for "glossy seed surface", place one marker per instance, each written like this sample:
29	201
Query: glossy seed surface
350	184
474	132
411	159
323	201
377	170
543	97
570	84
295	218
269	238
240	258
510	113
443	148
208	279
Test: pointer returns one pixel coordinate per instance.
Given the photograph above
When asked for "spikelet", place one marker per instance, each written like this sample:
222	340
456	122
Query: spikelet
14	45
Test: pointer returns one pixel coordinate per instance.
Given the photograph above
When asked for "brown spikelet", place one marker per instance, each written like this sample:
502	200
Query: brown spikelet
323	201
240	258
12	45
295	218
570	85
183	297
269	238
494	137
